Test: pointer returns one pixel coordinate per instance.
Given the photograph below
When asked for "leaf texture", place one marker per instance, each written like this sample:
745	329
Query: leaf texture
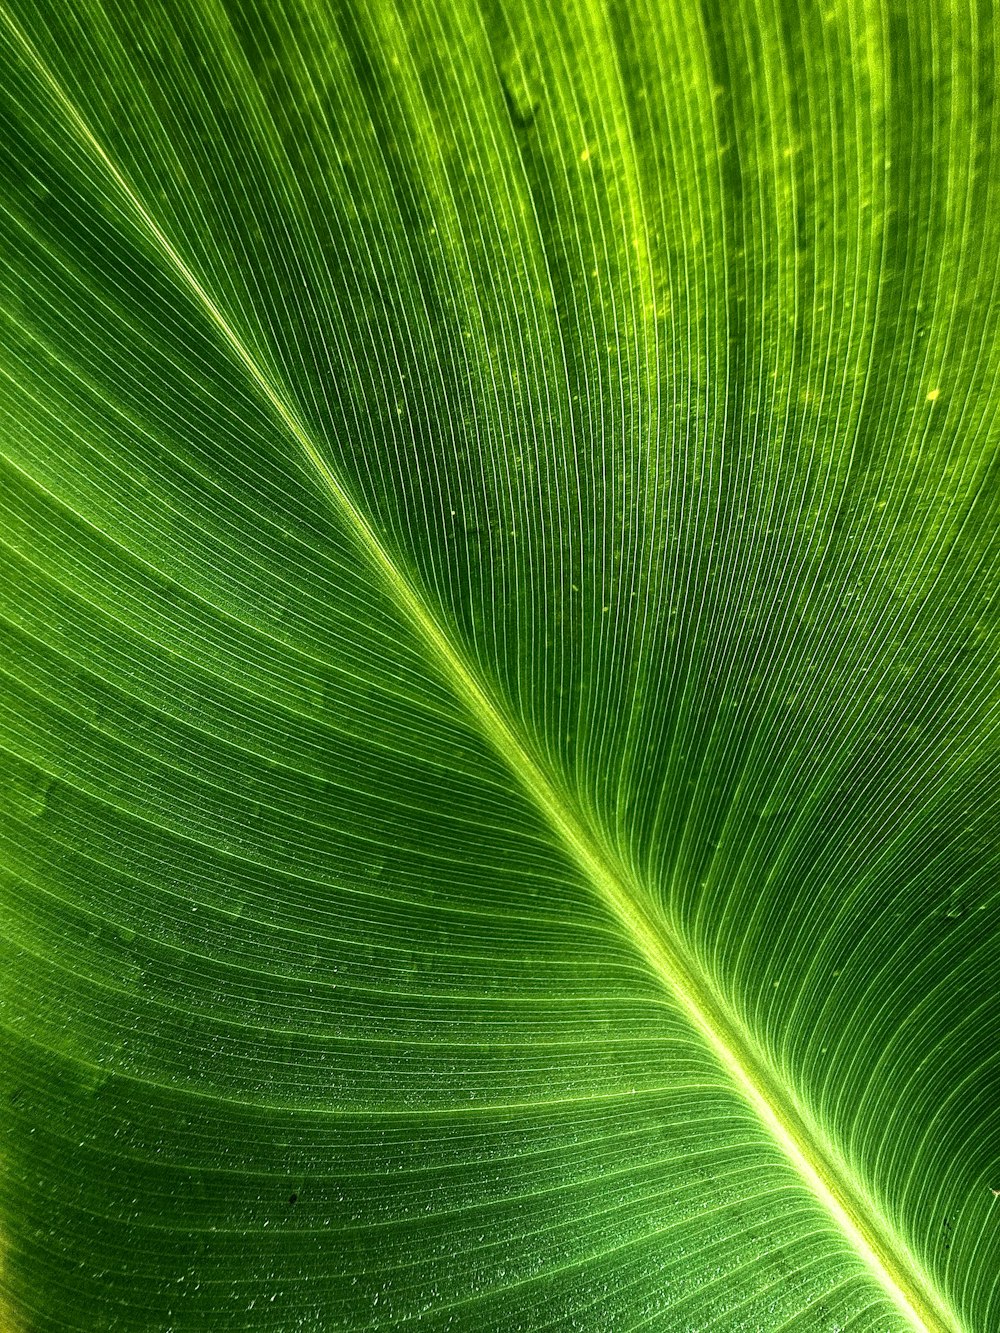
500	666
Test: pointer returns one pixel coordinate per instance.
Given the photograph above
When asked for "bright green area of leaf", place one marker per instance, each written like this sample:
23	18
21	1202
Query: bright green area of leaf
500	693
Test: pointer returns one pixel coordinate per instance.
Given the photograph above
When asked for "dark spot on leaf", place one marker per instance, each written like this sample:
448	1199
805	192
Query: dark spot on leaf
522	104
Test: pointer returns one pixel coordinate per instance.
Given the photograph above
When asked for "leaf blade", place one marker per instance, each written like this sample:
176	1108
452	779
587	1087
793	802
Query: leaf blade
538	781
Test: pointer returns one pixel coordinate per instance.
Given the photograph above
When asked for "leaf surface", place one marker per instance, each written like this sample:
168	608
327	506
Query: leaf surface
500	675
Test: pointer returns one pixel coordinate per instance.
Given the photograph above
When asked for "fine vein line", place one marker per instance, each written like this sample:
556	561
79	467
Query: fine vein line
818	1163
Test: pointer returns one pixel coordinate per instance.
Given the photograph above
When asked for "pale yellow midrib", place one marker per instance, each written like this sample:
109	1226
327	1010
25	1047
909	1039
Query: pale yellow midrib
923	1307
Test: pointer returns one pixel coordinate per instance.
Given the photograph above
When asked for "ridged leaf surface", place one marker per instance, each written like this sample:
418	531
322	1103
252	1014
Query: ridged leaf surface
500	666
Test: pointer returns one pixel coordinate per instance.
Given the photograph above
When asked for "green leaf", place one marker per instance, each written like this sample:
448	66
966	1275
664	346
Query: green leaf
500	680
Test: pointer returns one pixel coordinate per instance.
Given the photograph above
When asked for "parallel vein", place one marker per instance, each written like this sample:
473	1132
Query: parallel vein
817	1162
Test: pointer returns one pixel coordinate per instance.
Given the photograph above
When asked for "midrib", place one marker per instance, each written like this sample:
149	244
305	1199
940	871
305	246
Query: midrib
816	1160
